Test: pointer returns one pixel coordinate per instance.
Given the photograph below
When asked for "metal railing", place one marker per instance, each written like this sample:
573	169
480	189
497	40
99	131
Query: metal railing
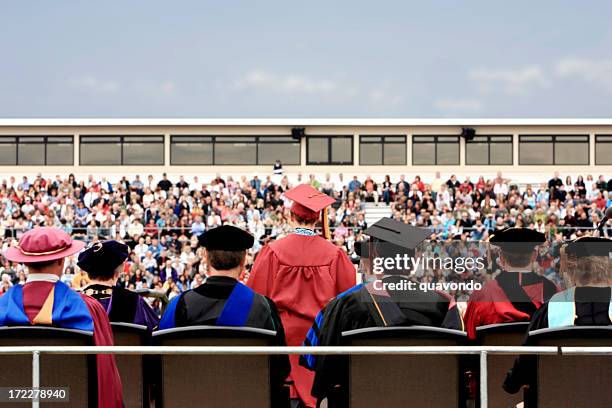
482	351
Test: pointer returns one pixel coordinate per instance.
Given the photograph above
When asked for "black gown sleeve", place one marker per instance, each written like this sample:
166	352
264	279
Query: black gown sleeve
331	371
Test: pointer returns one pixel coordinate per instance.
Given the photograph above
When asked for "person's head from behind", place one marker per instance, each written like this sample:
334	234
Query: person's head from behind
517	247
103	261
53	267
225	250
586	261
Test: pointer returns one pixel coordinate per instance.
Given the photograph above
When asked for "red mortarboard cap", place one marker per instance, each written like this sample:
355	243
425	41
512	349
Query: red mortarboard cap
43	244
308	201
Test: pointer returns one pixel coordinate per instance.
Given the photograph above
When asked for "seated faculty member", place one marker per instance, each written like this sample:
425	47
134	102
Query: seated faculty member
103	262
45	300
222	300
375	303
586	265
517	292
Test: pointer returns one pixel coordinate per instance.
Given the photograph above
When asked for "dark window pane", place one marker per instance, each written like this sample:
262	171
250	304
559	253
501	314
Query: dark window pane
536	138
477	153
8	154
139	153
423	153
574	138
234	139
93	154
448	153
501	153
571	153
60	154
235	153
60	139
31	154
501	139
535	153
318	150
287	153
342	149
198	139
370	154
31	139
395	139
188	153
603	153
100	139
395	153
424	139
446	139
143	139
276	139
604	138
374	139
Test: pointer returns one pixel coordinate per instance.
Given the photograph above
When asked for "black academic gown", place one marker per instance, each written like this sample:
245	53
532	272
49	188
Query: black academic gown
203	305
592	309
354	309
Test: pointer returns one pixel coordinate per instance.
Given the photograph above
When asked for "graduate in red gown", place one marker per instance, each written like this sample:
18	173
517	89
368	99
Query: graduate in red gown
517	292
301	273
45	300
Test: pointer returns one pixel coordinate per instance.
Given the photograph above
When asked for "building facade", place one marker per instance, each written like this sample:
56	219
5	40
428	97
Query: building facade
524	148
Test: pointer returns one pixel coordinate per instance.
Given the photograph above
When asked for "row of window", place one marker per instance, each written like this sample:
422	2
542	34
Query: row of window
320	150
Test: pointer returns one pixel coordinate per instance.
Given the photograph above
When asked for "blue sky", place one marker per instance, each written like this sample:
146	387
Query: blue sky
196	58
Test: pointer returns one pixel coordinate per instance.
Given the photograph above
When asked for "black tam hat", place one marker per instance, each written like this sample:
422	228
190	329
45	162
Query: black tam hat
226	238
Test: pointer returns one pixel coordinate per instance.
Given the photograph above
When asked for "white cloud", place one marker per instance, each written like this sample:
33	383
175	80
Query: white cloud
95	85
595	72
458	105
509	81
288	83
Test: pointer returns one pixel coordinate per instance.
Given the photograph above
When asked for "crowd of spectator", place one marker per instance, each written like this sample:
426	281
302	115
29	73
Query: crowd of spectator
161	219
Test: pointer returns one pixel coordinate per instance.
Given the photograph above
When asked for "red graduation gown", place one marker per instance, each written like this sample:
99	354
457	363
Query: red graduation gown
301	274
110	393
491	304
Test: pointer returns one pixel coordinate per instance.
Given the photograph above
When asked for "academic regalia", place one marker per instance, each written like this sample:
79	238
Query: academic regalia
578	306
512	296
123	305
360	307
223	301
45	300
301	273
366	305
55	304
100	261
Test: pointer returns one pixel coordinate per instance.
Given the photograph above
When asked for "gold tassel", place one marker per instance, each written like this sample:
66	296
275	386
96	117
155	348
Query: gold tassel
325	224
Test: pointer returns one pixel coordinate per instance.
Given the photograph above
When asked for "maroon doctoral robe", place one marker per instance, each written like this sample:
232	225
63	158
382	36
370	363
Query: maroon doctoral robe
511	297
109	383
301	274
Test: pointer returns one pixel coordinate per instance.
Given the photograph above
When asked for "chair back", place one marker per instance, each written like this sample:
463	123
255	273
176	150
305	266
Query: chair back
574	381
215	380
131	367
398	380
502	334
76	371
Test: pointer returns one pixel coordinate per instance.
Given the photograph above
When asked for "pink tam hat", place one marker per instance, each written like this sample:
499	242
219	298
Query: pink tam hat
43	244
